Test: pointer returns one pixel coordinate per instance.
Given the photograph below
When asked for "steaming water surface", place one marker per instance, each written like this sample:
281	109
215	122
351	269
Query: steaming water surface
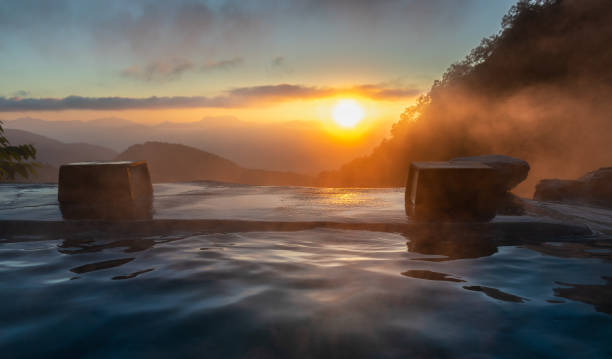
310	293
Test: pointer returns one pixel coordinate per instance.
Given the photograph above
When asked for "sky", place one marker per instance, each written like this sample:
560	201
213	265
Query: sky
262	61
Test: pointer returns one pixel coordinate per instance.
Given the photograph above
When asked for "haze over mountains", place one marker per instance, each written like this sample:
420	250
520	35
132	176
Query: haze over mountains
167	162
178	163
297	146
55	153
51	153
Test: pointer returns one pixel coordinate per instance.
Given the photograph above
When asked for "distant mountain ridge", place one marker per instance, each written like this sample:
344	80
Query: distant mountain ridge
300	146
170	162
167	162
54	152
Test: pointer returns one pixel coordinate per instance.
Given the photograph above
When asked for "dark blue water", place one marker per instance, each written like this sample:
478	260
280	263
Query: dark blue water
307	294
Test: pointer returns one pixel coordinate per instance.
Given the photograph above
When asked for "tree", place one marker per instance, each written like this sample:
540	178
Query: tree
15	160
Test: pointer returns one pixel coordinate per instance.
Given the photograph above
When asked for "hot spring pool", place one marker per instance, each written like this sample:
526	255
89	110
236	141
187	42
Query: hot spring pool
313	293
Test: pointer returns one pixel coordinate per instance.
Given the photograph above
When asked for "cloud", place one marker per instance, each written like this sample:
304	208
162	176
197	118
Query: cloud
280	92
222	65
381	92
418	13
159	70
284	92
173	69
21	93
152	28
106	103
233	98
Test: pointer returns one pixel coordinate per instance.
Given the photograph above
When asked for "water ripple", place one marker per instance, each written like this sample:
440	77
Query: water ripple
311	293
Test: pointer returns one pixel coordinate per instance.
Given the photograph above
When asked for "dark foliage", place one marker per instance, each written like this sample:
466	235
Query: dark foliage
15	161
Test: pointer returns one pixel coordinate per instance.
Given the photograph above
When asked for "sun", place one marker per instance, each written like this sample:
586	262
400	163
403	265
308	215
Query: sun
347	113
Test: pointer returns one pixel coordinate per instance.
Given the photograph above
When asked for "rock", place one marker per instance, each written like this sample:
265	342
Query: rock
598	186
511	205
105	190
465	188
511	171
455	191
593	188
556	190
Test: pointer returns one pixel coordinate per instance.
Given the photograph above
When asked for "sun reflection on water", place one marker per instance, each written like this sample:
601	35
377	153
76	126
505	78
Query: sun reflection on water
343	197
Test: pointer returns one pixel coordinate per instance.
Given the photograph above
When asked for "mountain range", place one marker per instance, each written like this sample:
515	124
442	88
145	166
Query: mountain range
167	162
51	153
298	146
54	152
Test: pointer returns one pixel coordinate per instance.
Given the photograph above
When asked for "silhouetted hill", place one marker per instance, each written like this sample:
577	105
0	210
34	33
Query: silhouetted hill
55	153
176	163
51	153
539	90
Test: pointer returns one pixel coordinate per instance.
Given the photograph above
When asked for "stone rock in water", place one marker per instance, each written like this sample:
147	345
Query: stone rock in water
598	186
465	188
511	171
557	190
593	188
511	205
456	191
105	190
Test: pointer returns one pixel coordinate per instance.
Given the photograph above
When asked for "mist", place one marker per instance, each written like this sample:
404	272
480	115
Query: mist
539	90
